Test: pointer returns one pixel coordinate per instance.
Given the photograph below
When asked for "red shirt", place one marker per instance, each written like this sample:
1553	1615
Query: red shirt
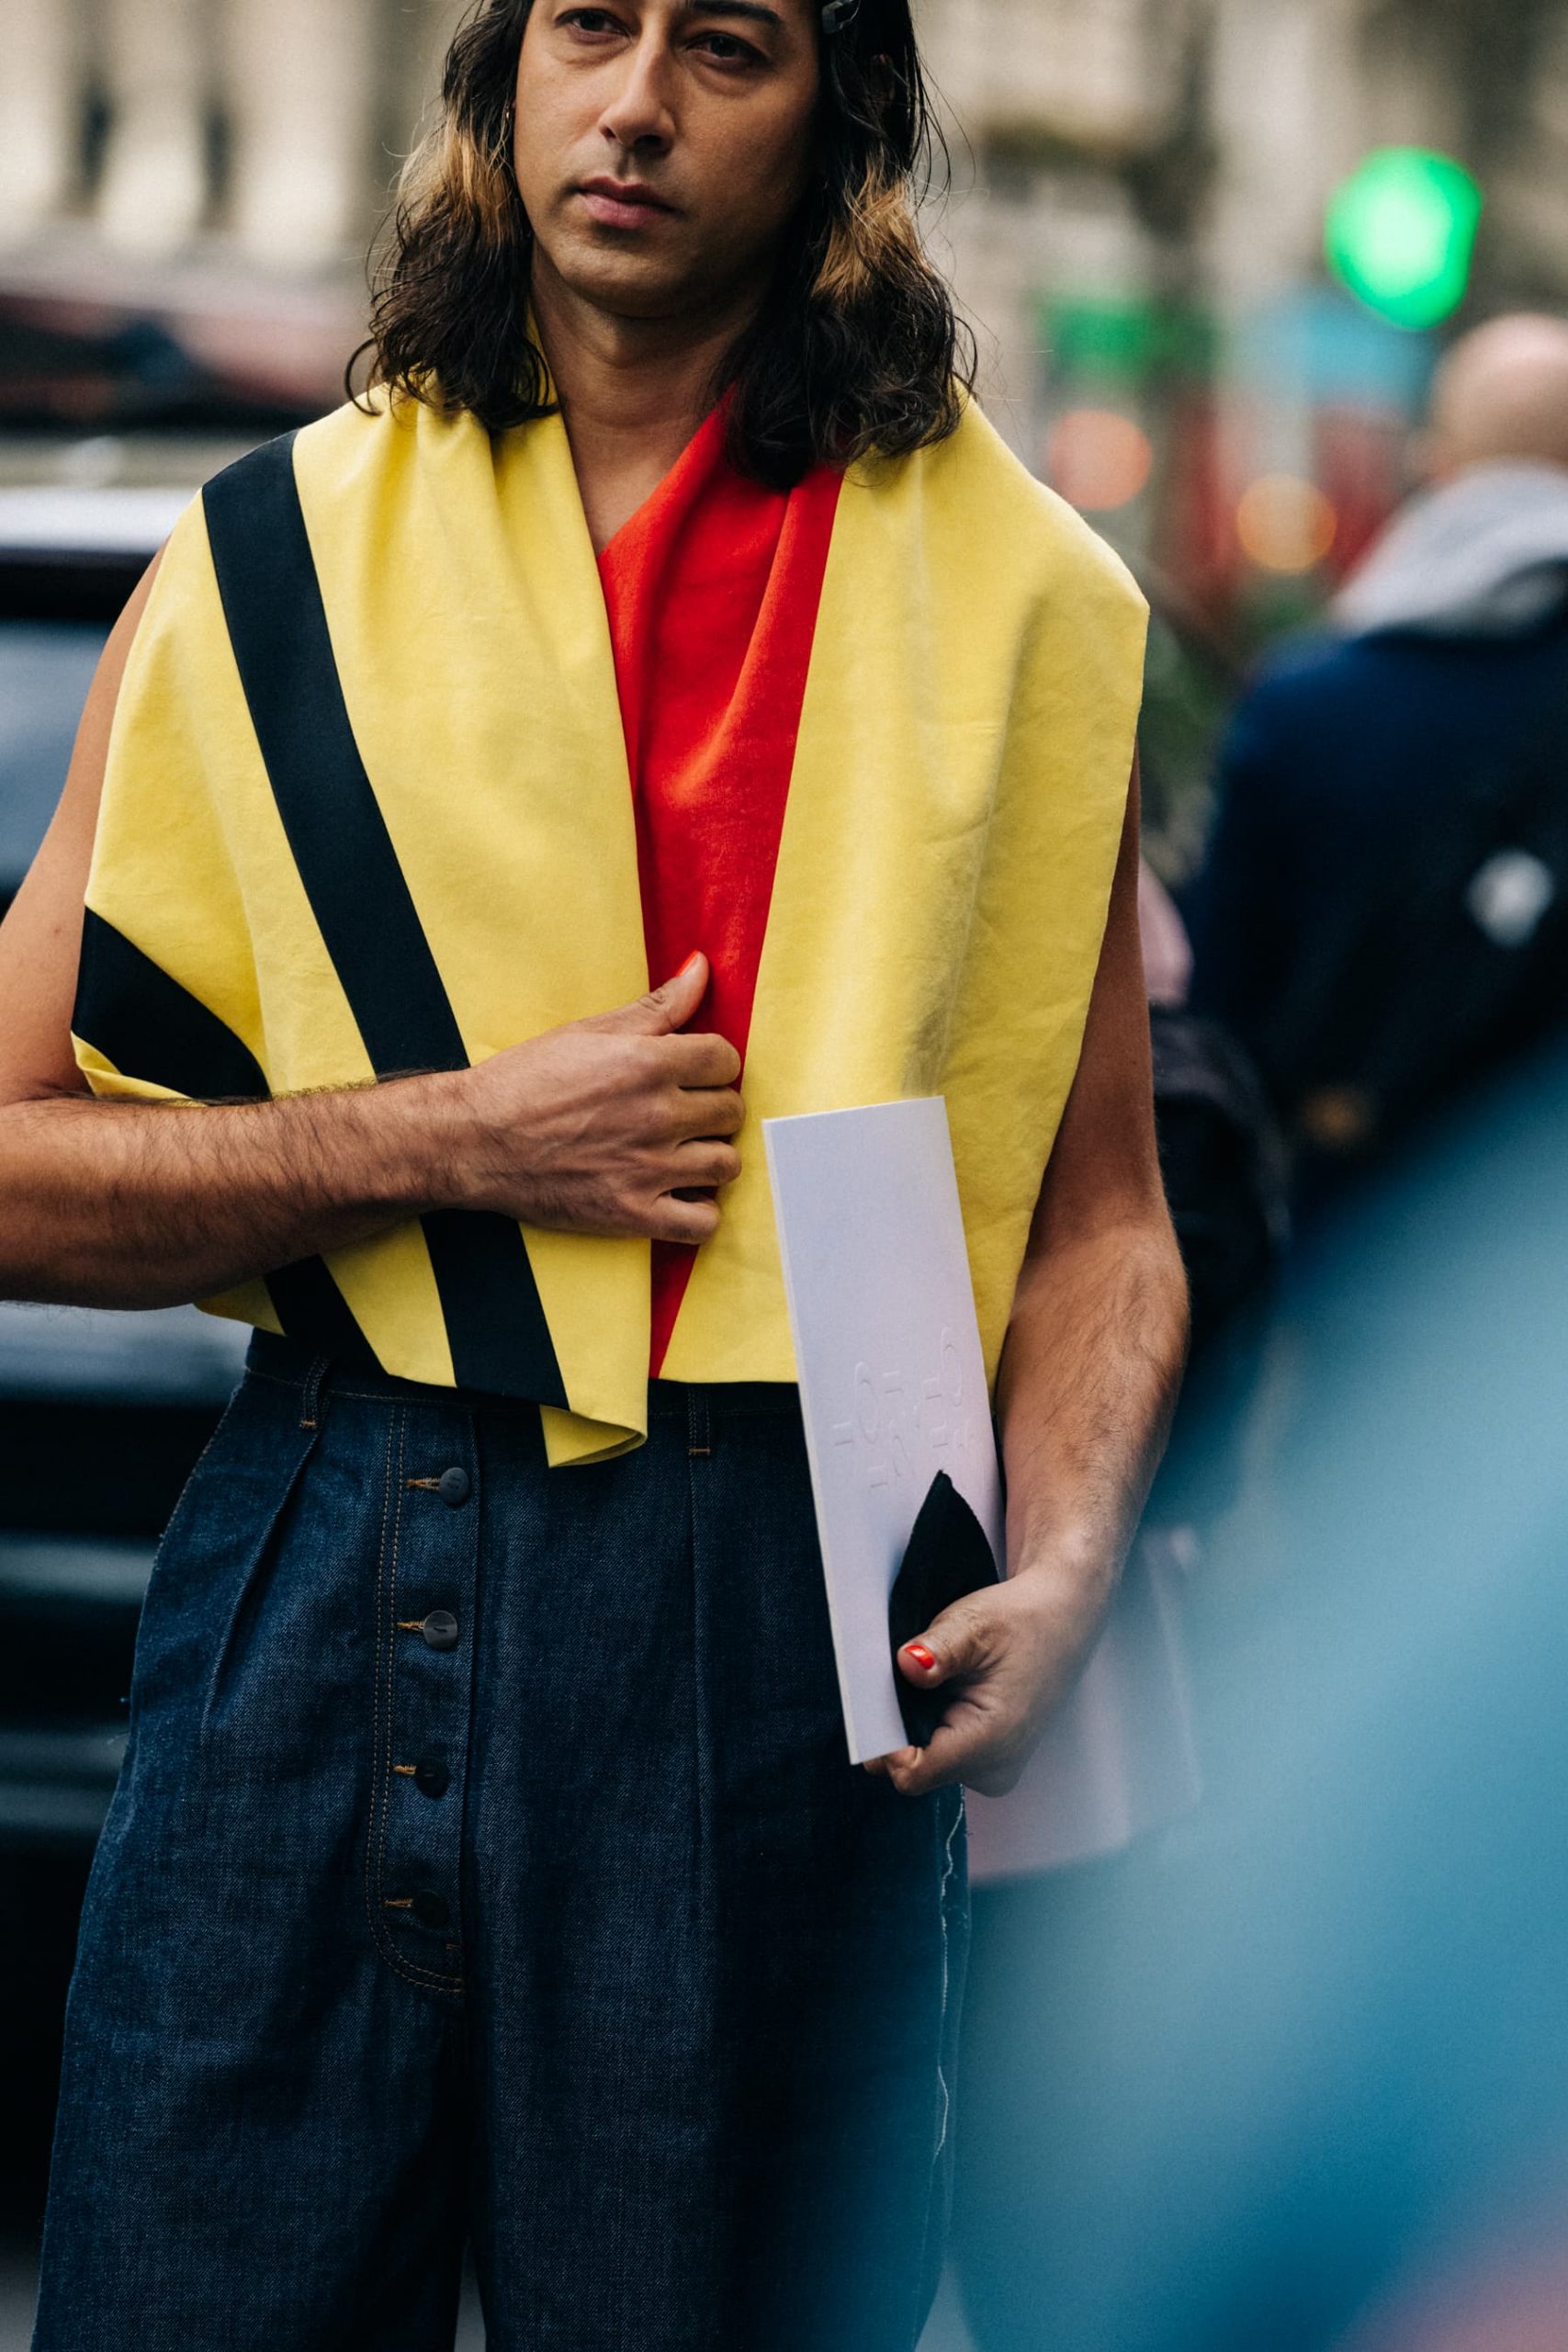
711	591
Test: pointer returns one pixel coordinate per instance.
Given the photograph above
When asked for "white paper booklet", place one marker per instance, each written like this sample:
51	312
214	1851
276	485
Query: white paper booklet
888	1347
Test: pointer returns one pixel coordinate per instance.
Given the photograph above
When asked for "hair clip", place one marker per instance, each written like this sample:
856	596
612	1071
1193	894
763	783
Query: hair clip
838	14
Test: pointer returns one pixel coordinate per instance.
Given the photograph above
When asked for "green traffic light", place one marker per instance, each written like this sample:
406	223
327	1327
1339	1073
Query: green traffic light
1400	234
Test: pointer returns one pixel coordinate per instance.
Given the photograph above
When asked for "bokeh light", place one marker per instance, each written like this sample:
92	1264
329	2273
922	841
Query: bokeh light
1098	458
1286	524
1400	234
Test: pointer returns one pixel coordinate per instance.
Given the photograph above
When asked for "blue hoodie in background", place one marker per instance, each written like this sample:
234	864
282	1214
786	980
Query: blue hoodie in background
1450	655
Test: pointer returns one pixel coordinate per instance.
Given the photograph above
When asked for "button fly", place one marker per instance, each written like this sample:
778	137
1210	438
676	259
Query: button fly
430	1911
440	1630
431	1776
453	1488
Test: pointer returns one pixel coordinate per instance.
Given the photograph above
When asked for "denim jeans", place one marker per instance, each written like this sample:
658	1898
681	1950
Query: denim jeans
487	1865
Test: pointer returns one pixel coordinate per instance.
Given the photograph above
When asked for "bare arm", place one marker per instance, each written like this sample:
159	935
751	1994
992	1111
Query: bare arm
602	1126
1088	1381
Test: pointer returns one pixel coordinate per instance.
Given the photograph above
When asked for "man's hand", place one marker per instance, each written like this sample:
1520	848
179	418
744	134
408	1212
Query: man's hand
1007	1654
615	1125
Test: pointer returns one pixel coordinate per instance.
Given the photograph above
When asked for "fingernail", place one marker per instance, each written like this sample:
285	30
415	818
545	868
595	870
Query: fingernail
694	957
923	1658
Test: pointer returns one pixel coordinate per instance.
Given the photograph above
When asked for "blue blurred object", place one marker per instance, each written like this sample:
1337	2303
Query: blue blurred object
1327	2034
1313	343
46	668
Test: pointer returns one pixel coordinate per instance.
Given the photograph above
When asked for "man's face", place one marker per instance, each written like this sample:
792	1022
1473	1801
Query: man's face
662	145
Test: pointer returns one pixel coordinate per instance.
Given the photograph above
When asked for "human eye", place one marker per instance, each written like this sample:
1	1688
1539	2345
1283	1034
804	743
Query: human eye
590	24
729	49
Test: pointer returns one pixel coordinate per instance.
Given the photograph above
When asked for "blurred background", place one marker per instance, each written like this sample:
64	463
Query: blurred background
1285	2067
1137	224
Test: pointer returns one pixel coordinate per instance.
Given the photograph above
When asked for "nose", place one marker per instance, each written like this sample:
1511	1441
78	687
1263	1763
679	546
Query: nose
637	118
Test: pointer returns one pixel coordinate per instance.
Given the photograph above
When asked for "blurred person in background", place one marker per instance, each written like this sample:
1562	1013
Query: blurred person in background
486	1857
1055	1862
1383	916
1309	2064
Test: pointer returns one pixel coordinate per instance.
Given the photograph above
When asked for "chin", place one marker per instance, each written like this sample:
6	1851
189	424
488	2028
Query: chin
628	284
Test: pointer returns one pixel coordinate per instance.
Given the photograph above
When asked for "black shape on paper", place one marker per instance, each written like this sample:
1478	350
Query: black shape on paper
947	1555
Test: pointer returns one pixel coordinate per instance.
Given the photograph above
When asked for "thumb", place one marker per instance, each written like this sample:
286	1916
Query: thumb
956	1644
666	1009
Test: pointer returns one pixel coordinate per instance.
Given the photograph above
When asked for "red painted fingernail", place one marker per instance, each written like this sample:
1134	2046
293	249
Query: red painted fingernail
923	1657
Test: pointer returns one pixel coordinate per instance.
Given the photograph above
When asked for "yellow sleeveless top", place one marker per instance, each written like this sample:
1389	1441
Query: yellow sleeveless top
368	811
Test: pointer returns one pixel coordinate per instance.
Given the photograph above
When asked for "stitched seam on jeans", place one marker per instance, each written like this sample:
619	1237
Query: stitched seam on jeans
384	1793
442	1402
426	1979
387	1504
412	1970
719	1409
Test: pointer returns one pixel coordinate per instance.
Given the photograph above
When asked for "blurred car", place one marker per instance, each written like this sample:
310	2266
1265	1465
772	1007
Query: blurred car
69	557
101	1415
103	345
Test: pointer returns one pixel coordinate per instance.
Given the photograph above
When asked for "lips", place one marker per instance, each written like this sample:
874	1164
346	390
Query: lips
623	204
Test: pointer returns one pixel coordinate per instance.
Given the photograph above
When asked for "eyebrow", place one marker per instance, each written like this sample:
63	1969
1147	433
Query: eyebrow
750	9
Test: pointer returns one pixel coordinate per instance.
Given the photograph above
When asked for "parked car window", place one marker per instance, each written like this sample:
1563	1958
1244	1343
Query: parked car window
46	668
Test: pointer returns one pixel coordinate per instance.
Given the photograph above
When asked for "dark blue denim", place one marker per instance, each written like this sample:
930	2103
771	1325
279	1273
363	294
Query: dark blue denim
565	1928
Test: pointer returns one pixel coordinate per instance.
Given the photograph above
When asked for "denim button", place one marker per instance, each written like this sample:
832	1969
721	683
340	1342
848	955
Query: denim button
440	1630
430	1911
431	1776
453	1488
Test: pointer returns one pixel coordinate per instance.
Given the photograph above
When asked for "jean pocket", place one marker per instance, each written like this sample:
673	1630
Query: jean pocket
213	1560
206	1462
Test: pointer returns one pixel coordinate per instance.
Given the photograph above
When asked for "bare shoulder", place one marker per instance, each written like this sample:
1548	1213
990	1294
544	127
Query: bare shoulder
40	937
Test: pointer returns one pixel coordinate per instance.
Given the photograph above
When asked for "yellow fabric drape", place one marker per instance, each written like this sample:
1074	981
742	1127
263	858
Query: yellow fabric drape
954	814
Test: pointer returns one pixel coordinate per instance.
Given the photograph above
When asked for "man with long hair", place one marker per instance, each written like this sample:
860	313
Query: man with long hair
486	1863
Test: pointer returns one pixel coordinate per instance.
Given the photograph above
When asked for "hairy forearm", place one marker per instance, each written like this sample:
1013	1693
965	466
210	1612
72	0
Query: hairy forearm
113	1204
1089	1383
619	1124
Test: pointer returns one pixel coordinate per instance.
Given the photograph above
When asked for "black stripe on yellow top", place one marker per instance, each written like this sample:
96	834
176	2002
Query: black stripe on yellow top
309	1305
140	1018
338	837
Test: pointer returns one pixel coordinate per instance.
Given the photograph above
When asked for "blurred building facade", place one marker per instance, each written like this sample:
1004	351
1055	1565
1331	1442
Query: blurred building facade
1142	233
1135	217
152	124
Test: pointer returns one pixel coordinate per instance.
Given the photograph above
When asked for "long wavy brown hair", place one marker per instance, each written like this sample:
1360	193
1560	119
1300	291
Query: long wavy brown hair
857	349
